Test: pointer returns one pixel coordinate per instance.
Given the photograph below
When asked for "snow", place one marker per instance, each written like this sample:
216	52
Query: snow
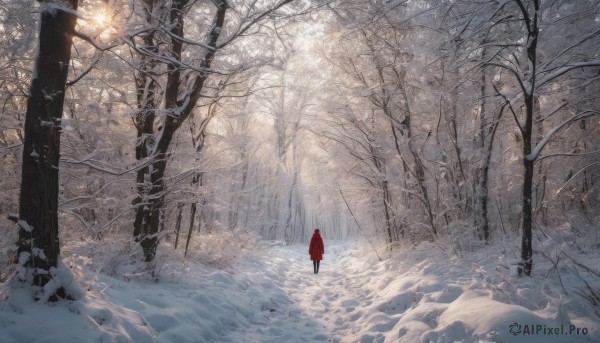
24	225
54	7
421	294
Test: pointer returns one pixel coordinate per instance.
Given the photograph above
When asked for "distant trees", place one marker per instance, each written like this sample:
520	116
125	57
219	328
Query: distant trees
288	103
373	58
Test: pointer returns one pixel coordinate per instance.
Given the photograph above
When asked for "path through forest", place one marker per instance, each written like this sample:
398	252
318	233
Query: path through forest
319	307
421	294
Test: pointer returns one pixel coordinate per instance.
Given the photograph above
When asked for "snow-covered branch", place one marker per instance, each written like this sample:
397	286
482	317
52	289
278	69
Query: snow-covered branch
243	29
85	72
89	162
544	141
567	155
551	75
572	46
93	43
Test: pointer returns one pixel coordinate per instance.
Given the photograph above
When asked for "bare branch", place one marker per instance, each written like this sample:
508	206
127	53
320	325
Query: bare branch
245	28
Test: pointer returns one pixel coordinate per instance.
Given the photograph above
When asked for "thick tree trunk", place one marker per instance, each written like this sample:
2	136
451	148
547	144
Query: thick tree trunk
38	243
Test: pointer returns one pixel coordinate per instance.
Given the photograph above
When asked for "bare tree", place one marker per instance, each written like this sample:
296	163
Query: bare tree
510	33
181	83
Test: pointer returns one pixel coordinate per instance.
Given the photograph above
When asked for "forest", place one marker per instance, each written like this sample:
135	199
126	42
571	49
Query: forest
138	133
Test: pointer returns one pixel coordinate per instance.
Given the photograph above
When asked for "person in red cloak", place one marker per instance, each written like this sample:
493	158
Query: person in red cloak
316	249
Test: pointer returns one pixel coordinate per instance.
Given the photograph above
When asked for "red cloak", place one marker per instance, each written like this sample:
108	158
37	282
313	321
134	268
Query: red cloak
316	248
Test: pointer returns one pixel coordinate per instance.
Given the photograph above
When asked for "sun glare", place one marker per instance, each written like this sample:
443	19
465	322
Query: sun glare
98	22
101	19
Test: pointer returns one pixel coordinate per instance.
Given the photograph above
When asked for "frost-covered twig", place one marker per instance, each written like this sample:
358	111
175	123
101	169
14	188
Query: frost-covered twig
187	41
555	267
249	25
80	219
593	297
120	214
10	147
88	162
500	216
579	264
91	196
574	175
356	221
509	102
85	72
92	42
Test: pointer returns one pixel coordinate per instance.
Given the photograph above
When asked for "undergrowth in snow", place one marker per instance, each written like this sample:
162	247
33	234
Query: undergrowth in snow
477	296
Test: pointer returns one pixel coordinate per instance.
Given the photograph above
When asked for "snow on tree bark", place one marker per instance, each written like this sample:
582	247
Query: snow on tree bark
38	246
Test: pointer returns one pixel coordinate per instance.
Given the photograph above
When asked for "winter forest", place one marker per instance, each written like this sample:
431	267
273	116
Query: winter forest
164	164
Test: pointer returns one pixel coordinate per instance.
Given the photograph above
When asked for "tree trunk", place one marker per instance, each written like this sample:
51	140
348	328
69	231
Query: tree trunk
178	224
151	185
419	168
146	89
387	205
289	232
147	222
38	242
420	176
482	193
526	244
527	223
481	183
189	237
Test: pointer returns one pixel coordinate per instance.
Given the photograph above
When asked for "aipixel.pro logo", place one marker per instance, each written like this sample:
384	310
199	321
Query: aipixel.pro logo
516	329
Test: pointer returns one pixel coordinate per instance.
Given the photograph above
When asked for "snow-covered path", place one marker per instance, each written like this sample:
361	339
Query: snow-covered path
420	295
321	307
425	296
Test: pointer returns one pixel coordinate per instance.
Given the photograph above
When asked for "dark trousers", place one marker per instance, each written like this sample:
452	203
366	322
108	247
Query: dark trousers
316	265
